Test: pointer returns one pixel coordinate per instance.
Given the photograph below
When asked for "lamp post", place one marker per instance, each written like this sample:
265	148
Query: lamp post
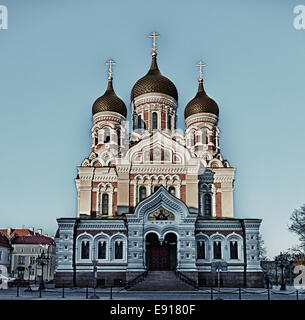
42	260
29	286
94	263
283	261
276	278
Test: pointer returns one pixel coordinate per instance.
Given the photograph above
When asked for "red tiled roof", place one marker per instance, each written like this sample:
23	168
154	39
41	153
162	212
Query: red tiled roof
18	232
4	241
37	239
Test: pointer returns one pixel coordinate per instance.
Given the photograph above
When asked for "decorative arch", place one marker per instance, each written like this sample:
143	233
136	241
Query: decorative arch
161	198
84	242
202	246
118	247
105	239
215	162
104	189
235	251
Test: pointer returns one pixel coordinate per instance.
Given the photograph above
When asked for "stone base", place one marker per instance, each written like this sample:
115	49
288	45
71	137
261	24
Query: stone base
119	279
231	279
63	279
85	279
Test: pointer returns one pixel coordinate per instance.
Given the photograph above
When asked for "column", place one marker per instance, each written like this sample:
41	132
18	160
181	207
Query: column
213	188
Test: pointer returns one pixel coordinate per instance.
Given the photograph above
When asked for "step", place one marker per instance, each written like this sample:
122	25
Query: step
162	281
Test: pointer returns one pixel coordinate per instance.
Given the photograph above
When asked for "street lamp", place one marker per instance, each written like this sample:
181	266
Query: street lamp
276	278
282	259
42	260
29	286
94	263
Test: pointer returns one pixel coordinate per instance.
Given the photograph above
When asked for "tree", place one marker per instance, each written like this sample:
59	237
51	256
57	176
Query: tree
297	225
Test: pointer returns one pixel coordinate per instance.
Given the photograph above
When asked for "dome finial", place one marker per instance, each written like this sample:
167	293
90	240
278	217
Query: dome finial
110	63
109	101
200	64
154	35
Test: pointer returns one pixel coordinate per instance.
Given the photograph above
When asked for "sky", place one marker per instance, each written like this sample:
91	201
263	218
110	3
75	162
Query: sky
53	58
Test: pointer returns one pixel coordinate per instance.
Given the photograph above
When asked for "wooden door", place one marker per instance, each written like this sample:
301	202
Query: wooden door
160	258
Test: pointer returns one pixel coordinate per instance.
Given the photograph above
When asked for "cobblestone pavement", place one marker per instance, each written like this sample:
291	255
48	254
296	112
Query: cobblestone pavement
121	294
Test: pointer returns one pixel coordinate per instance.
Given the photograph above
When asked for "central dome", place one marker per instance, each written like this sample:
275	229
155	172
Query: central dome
154	81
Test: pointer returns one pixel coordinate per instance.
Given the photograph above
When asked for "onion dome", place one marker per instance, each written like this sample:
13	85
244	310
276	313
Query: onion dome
201	103
109	101
154	81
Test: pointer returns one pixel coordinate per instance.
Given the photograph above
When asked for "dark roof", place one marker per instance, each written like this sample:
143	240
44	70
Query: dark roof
201	103
37	239
154	81
109	101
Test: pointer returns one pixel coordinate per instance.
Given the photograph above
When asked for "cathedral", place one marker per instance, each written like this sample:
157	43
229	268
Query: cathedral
156	199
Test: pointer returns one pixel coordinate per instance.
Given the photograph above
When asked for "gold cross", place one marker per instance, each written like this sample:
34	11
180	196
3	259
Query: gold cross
200	64
154	35
110	63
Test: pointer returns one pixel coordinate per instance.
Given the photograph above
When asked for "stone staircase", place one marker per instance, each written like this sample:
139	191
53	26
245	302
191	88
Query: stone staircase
161	281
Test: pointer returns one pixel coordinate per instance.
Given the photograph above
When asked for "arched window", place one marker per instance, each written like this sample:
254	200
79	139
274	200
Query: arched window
207	199
105	204
162	154
207	205
118	250
154	120
85	249
96	139
142	192
193	139
200	249
106	135
217	249
204	137
119	137
134	122
233	250
172	191
169	122
139	122
101	250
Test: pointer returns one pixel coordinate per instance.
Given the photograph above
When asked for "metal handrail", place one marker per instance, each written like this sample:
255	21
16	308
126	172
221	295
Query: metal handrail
136	280
186	279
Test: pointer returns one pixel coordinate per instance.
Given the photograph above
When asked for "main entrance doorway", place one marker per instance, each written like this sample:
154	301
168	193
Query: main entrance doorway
161	257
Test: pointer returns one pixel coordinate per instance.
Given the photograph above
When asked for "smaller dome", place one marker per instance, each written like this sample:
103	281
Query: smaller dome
202	103
109	101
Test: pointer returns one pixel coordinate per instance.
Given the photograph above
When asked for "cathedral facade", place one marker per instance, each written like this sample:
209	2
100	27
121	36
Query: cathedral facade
156	198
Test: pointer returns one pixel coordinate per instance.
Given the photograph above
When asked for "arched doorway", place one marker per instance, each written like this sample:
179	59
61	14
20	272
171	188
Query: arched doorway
161	256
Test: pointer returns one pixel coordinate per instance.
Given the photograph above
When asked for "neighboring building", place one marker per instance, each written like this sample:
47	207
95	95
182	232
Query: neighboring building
5	252
10	232
156	199
27	246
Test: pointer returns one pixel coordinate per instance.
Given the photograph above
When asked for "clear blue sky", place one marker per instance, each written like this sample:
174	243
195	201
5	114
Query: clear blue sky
53	68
